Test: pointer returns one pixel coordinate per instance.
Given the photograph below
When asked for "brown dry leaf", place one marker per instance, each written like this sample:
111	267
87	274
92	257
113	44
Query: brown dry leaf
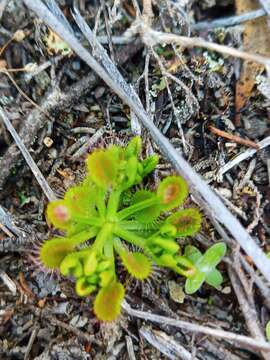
256	39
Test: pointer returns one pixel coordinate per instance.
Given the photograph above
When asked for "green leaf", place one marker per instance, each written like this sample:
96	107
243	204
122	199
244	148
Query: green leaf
192	253
267	330
82	199
172	192
59	214
149	214
53	251
187	222
134	147
148	165
103	167
137	264
90	264
214	278
168	230
167	260
211	258
169	245
106	277
107	305
71	265
83	288
194	283
131	172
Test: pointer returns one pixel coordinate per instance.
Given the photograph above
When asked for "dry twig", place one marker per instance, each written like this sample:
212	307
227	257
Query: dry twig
246	341
28	158
165	344
152	38
248	311
233	138
243	156
228	21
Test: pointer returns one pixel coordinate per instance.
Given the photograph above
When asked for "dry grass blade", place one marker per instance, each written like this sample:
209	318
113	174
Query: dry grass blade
28	158
228	21
243	156
246	341
166	345
128	95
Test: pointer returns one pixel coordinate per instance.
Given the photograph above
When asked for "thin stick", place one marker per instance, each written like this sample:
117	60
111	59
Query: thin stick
88	144
6	220
228	21
28	158
5	230
128	95
147	11
246	341
165	344
30	343
248	311
234	138
266	5
152	37
24	94
243	156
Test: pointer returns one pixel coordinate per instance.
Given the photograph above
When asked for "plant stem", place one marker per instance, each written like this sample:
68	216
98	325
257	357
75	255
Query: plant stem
137	226
101	202
123	214
105	232
82	236
113	204
93	221
129	236
118	247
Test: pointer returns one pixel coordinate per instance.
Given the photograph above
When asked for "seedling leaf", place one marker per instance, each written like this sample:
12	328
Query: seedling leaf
193	284
214	278
192	253
211	258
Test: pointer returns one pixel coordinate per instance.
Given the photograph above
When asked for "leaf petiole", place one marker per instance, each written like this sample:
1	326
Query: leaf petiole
125	213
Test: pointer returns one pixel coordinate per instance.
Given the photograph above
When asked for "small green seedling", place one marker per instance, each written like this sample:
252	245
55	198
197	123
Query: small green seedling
107	212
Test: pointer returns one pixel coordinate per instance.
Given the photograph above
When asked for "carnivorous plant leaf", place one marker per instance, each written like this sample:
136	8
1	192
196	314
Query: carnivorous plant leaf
187	222
137	264
108	301
103	167
173	191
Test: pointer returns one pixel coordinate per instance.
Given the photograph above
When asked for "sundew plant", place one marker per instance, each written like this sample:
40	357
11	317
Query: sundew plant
108	213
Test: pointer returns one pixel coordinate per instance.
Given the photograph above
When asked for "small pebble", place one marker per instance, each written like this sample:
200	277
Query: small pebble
48	141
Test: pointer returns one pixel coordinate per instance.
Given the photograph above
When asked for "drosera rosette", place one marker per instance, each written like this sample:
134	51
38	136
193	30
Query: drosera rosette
99	223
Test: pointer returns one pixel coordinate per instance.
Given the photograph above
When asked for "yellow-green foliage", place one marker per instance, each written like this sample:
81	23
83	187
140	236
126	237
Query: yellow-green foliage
97	209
